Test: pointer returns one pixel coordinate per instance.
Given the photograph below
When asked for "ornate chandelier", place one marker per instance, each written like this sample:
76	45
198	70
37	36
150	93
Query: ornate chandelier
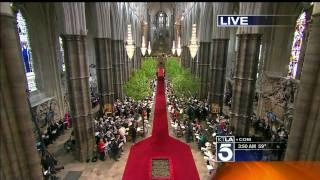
179	47
143	46
193	47
149	49
173	48
130	46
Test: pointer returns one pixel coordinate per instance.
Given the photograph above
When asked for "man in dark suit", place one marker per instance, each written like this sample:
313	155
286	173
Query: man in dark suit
148	112
133	131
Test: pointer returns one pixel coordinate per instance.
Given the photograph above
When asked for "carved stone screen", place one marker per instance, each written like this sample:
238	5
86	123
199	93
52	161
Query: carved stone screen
160	168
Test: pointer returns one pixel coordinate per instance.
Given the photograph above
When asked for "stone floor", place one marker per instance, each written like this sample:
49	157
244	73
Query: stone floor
110	169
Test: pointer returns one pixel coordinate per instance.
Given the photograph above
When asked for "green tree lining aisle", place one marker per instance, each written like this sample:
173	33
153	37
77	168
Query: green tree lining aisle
183	82
138	87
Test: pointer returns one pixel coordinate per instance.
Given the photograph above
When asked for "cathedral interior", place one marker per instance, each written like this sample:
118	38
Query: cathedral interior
139	90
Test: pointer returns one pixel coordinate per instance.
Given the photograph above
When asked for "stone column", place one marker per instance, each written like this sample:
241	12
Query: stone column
187	57
171	31
135	59
196	66
117	63
103	46
276	62
246	67
304	136
132	62
204	56
76	60
204	51
18	154
182	57
193	64
104	70
125	64
78	87
123	57
128	64
139	57
273	65
219	50
244	82
145	33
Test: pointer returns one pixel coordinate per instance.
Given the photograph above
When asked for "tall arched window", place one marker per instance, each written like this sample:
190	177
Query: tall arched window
259	61
296	45
161	20
26	52
63	67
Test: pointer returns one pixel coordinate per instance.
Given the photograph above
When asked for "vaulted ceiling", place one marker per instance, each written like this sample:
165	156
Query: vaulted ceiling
155	7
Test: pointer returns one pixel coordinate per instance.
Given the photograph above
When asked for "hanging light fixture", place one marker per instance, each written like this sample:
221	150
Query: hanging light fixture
130	46
193	47
149	49
179	47
173	48
144	47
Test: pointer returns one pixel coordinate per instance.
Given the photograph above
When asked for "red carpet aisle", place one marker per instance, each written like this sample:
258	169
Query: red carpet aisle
160	145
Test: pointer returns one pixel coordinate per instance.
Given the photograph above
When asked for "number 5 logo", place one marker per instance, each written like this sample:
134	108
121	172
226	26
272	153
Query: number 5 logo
225	149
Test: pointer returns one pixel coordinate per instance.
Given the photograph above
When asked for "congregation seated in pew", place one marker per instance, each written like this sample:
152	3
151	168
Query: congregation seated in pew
113	130
190	118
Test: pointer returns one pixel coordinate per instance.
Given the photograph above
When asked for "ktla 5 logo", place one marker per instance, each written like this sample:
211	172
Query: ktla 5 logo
225	149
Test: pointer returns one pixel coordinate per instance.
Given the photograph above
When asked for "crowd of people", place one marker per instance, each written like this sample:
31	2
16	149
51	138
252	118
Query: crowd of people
52	132
95	100
267	131
227	98
128	119
50	166
191	118
49	135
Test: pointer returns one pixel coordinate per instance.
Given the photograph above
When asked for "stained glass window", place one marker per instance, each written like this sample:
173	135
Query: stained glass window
62	54
26	52
259	61
296	45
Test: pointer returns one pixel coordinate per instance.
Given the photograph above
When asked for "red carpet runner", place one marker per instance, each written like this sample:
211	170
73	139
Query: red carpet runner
160	146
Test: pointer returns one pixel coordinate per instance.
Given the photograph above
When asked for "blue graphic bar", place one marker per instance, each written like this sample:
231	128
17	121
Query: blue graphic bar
253	20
